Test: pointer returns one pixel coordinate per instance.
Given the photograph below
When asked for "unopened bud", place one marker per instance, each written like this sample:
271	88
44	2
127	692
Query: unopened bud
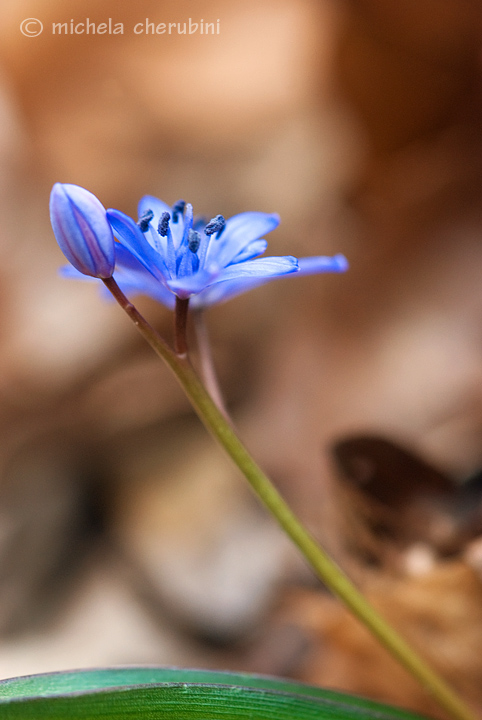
82	230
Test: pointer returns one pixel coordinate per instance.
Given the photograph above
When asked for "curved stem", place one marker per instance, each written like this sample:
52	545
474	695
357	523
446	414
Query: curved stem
326	569
208	372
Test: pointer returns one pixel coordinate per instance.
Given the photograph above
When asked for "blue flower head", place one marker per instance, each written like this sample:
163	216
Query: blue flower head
82	230
169	253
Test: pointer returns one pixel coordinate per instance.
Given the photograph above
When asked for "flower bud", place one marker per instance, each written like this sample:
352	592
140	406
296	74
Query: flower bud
82	231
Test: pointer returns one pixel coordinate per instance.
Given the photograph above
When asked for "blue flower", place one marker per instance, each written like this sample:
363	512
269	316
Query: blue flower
82	230
169	253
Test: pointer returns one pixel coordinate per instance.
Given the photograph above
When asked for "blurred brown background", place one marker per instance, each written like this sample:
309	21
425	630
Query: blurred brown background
125	536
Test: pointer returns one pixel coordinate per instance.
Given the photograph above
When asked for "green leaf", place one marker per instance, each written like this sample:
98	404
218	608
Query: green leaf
173	694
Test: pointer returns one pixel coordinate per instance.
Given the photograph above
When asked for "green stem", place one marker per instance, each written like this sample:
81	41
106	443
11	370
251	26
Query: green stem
326	569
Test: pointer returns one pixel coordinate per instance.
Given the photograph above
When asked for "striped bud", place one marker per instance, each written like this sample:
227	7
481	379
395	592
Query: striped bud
82	231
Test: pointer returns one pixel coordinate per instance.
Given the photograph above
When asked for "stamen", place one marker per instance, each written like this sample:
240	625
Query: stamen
193	240
163	226
178	209
215	225
144	220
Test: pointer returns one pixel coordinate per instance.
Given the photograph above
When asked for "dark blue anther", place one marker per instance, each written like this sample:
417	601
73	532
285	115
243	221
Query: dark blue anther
144	220
178	209
163	226
193	240
216	225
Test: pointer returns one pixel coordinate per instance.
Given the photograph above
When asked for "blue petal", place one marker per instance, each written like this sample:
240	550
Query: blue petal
131	237
260	268
239	232
157	292
191	284
237	279
133	278
320	264
222	291
252	250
